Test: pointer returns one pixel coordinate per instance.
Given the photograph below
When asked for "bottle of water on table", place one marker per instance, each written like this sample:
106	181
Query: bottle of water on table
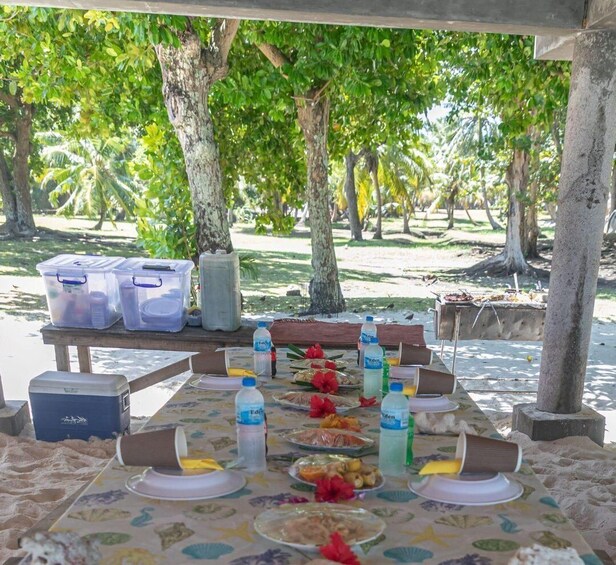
373	369
368	330
394	426
262	351
250	422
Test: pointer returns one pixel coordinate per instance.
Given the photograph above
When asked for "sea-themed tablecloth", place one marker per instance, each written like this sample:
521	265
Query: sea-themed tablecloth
135	530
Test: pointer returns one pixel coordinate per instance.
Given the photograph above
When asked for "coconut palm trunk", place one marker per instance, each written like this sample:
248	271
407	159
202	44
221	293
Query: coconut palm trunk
350	192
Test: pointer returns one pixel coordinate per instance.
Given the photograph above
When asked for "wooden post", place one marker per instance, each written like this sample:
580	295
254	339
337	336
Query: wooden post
85	361
63	359
584	186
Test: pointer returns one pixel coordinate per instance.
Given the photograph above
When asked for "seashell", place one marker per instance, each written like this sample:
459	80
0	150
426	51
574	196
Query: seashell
366	547
172	533
591	559
496	545
553	518
508	526
408	554
99	514
139	555
271	557
221	442
528	490
207	550
397	495
549	501
393	515
550	540
430	505
109	538
465	521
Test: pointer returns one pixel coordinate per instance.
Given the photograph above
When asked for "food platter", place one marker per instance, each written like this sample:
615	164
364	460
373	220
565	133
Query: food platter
300	399
364	477
329	439
308	526
209	382
345	381
299	364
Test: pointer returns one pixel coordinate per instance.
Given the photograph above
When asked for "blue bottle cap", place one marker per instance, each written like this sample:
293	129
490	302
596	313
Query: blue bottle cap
262	324
395	387
249	381
369	319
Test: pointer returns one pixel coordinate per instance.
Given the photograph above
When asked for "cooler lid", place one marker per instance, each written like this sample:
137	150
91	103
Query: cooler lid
143	267
91	384
79	264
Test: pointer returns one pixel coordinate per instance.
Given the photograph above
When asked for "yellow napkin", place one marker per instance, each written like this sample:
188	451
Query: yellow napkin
449	467
195	463
409	390
393	361
237	372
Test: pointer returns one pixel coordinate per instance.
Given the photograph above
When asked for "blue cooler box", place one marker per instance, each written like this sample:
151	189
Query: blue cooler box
79	405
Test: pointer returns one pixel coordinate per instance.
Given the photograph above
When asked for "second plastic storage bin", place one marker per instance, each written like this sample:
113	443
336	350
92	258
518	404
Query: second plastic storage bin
155	293
81	290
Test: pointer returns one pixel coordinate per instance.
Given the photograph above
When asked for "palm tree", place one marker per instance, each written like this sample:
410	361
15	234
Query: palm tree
92	172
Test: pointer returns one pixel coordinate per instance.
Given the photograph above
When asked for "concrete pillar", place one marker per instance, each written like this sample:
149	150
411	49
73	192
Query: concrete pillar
590	136
13	415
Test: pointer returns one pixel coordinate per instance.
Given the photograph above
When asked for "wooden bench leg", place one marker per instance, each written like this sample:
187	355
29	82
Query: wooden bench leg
85	361
63	360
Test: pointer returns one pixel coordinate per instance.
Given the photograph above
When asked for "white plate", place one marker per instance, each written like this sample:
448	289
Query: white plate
169	484
207	382
430	403
468	490
324	459
277	524
349	403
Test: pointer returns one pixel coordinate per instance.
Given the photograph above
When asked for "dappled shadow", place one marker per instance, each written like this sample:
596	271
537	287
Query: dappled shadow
32	307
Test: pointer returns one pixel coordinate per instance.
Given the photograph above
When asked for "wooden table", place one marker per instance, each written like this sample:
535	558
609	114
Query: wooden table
139	530
194	340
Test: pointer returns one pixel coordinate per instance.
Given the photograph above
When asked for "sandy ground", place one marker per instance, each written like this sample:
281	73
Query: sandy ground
579	474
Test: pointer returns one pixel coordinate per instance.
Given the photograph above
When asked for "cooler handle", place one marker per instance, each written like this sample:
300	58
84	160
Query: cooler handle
72	281
148	285
125	401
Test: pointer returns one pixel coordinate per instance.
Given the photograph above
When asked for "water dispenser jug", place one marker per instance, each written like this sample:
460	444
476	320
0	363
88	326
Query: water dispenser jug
219	275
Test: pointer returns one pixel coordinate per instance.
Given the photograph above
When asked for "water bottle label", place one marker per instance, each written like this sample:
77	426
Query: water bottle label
365	337
394	419
250	415
262	345
373	362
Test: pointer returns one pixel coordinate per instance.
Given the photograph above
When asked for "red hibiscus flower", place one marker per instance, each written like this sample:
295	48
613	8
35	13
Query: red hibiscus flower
323	364
320	407
333	489
338	551
325	381
315	352
367	401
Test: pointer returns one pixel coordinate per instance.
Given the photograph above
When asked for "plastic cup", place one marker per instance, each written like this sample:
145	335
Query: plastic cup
487	455
160	448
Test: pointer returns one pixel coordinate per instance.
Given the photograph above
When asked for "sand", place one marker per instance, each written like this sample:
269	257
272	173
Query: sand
37	476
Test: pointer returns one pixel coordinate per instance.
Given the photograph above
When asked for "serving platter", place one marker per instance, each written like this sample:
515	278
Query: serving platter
300	399
329	439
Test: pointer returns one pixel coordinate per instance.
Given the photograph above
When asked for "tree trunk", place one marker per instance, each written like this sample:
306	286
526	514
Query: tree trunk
101	217
531	231
450	204
189	71
406	229
372	163
9	204
350	160
486	206
21	171
613	189
582	202
325	293
468	213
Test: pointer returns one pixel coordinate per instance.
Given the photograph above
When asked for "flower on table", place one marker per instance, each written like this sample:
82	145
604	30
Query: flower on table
325	381
320	407
367	401
338	551
315	352
333	489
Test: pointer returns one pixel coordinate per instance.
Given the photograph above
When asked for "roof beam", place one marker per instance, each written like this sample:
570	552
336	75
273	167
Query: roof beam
536	17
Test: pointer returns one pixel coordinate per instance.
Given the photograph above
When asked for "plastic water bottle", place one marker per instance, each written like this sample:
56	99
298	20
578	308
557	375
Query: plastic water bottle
373	369
368	330
262	351
250	422
394	426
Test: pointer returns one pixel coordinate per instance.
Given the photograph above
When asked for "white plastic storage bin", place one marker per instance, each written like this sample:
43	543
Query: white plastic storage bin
81	290
155	293
221	301
79	405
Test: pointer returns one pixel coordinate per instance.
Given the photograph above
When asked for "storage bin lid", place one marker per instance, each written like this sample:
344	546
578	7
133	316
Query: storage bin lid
91	384
79	264
143	267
